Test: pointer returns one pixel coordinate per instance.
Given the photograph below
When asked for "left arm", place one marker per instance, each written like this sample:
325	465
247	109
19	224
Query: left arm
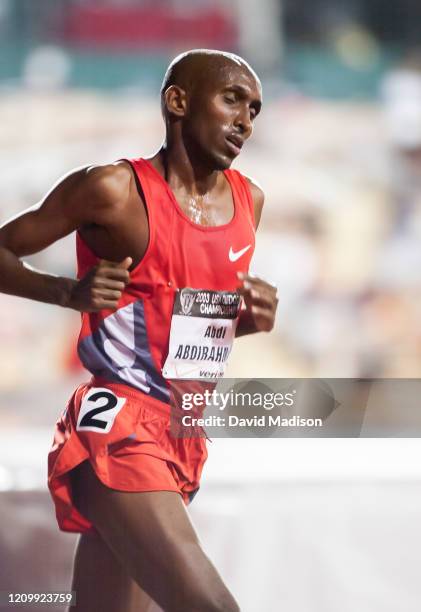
259	296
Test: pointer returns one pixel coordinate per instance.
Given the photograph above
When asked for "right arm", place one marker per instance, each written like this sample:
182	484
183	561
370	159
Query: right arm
86	196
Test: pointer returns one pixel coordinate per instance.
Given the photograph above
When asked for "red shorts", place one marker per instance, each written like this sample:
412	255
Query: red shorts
125	435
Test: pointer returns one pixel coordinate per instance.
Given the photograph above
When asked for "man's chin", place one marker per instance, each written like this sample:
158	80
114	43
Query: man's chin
217	161
223	162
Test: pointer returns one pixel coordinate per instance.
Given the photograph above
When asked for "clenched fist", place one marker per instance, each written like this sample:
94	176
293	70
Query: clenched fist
261	302
102	287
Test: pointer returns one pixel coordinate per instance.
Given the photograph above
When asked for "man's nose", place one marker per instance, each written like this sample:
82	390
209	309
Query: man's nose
243	122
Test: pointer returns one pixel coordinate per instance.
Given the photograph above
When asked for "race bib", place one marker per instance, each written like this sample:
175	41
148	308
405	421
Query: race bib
203	327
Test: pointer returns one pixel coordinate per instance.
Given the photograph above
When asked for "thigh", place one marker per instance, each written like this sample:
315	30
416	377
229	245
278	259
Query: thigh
101	582
150	533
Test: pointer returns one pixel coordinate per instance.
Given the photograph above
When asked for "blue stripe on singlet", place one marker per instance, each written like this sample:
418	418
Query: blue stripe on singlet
119	351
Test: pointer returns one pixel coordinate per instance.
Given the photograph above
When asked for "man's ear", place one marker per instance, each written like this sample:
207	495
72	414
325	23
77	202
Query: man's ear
176	101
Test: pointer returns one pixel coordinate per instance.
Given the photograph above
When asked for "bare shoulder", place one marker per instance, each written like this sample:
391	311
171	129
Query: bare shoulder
256	190
108	183
103	190
258	196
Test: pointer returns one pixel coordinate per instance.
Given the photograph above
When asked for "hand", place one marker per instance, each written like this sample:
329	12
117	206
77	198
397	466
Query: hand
101	287
261	303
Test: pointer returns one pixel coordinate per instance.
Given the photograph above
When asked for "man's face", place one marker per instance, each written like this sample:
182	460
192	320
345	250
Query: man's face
221	114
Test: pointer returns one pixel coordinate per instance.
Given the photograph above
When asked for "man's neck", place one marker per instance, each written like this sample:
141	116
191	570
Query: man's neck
184	174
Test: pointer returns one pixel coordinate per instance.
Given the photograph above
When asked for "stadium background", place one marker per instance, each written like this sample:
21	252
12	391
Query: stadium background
320	525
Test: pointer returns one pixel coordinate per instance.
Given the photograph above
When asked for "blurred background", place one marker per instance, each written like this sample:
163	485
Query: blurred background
297	525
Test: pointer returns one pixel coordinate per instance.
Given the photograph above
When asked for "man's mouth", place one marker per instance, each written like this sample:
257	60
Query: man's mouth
235	144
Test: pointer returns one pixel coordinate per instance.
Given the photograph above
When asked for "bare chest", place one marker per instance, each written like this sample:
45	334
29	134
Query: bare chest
207	210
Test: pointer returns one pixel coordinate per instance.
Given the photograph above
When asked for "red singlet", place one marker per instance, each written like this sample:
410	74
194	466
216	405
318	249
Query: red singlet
185	284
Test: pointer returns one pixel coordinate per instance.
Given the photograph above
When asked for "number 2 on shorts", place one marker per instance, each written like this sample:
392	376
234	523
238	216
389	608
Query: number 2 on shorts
98	410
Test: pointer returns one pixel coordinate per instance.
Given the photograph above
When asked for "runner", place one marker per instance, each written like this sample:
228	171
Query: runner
163	249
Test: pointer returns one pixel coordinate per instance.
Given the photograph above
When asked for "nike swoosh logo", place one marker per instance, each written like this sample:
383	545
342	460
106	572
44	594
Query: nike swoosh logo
234	256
